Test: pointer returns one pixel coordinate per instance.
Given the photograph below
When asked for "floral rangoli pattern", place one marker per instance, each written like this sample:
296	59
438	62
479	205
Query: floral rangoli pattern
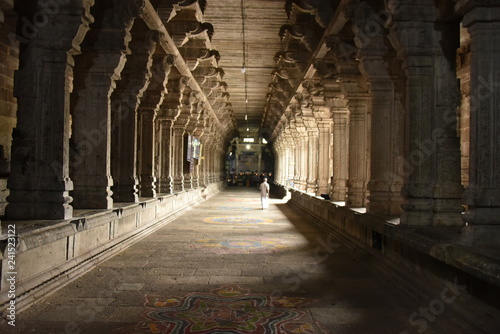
229	309
249	245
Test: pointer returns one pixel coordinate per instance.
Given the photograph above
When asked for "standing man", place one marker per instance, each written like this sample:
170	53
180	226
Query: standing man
264	194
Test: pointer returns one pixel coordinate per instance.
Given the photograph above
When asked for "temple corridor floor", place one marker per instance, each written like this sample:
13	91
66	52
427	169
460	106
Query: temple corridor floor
227	266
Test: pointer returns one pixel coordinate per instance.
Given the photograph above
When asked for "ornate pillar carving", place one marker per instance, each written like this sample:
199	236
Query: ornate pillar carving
482	19
150	104
325	122
431	165
165	118
39	182
463	73
358	103
340	138
297	169
312	152
125	102
179	131
378	65
354	89
291	158
104	56
197	106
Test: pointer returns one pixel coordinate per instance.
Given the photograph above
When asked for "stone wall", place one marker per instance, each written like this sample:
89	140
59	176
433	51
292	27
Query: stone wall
52	253
417	260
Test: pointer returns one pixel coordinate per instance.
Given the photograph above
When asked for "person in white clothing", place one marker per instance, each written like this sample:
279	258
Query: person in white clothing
264	194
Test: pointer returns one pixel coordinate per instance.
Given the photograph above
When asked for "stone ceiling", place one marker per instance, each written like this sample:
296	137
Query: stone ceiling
274	40
263	20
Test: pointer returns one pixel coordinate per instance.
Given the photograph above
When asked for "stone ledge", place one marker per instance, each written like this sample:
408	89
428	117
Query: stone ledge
416	260
441	243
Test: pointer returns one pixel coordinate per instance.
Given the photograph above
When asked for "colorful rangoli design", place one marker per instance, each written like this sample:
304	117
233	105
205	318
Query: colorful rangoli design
249	245
237	220
229	309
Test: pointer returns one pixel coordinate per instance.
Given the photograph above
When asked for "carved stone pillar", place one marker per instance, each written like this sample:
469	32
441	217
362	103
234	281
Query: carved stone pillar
166	118
39	182
192	122
96	71
463	73
178	152
301	155
359	146
353	88
291	158
431	168
150	104
206	142
312	154
483	193
297	170
178	134
125	102
198	171
340	149
378	66
208	161
325	123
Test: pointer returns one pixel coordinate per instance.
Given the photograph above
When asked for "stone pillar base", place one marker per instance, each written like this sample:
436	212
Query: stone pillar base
125	193
53	205
147	188
92	198
312	188
384	203
481	235
92	193
429	218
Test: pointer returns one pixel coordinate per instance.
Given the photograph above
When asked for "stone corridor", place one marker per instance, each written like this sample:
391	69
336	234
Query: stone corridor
227	266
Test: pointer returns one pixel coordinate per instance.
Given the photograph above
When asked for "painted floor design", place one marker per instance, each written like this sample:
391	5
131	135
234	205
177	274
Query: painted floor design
247	245
237	220
229	309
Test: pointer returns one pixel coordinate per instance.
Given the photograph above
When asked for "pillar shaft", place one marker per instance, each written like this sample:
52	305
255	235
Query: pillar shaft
483	193
39	182
125	102
431	165
96	71
357	193
150	105
324	157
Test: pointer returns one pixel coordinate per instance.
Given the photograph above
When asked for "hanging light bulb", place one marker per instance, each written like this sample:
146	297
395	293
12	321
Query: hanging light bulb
243	69
246	117
248	129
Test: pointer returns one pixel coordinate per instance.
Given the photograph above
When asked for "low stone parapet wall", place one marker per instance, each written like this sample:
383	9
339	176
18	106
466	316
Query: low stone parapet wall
420	260
50	254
